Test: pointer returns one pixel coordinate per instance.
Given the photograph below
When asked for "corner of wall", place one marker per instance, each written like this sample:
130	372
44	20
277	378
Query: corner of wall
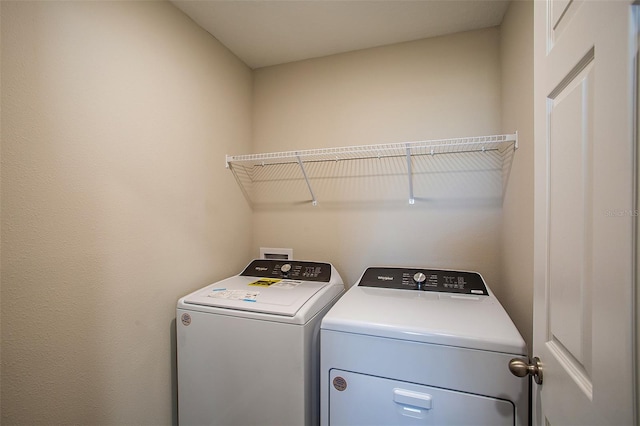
516	51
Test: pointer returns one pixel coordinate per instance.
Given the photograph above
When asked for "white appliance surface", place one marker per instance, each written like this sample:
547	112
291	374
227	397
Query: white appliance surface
468	321
263	289
284	297
420	346
413	404
247	346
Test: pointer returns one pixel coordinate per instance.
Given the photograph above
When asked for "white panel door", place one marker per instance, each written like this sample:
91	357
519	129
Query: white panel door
584	168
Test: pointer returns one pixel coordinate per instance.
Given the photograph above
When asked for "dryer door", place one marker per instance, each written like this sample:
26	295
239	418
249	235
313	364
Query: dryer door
359	399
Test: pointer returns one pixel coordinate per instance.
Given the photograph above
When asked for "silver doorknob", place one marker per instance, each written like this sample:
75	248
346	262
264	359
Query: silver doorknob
520	368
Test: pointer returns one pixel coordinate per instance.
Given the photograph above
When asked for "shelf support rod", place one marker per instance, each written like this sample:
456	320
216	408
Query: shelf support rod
306	178
410	175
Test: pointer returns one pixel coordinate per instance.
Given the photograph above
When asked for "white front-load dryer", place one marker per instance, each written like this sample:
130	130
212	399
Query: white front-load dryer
415	346
247	346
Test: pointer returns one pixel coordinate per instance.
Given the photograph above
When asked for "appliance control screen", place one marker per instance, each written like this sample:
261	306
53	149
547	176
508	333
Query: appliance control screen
305	271
424	280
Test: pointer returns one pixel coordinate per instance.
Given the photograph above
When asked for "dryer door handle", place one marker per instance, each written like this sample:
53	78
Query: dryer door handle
415	399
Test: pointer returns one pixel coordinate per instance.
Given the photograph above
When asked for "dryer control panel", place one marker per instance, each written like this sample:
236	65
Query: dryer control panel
438	280
292	269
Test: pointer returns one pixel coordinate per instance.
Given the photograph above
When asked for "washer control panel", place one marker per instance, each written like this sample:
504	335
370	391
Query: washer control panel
424	280
292	269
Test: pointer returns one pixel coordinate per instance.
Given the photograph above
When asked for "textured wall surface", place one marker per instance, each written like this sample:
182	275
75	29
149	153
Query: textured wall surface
435	88
516	52
115	202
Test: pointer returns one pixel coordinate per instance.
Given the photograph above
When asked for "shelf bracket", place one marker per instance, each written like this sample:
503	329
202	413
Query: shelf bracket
410	175
306	178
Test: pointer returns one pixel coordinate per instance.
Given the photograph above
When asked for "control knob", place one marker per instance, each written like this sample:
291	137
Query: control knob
419	278
285	269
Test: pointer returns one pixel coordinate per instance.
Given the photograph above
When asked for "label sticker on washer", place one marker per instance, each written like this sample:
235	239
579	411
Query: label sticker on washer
265	282
287	284
247	296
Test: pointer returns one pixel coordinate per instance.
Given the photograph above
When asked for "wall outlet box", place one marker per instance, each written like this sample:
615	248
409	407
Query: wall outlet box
276	253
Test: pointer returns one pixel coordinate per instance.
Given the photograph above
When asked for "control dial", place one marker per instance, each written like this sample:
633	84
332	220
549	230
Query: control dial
285	268
419	278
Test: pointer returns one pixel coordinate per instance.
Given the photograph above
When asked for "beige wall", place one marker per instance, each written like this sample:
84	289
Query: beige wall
115	120
115	202
516	52
435	88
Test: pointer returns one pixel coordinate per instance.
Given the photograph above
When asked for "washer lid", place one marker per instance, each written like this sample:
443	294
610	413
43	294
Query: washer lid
277	296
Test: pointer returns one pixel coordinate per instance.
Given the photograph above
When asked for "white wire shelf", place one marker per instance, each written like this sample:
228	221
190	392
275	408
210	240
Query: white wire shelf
248	167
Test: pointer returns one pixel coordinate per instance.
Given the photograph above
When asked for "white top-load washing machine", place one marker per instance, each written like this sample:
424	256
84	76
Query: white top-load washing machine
247	346
419	346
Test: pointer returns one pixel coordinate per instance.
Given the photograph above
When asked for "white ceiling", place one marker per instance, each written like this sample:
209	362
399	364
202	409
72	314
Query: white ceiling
270	32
